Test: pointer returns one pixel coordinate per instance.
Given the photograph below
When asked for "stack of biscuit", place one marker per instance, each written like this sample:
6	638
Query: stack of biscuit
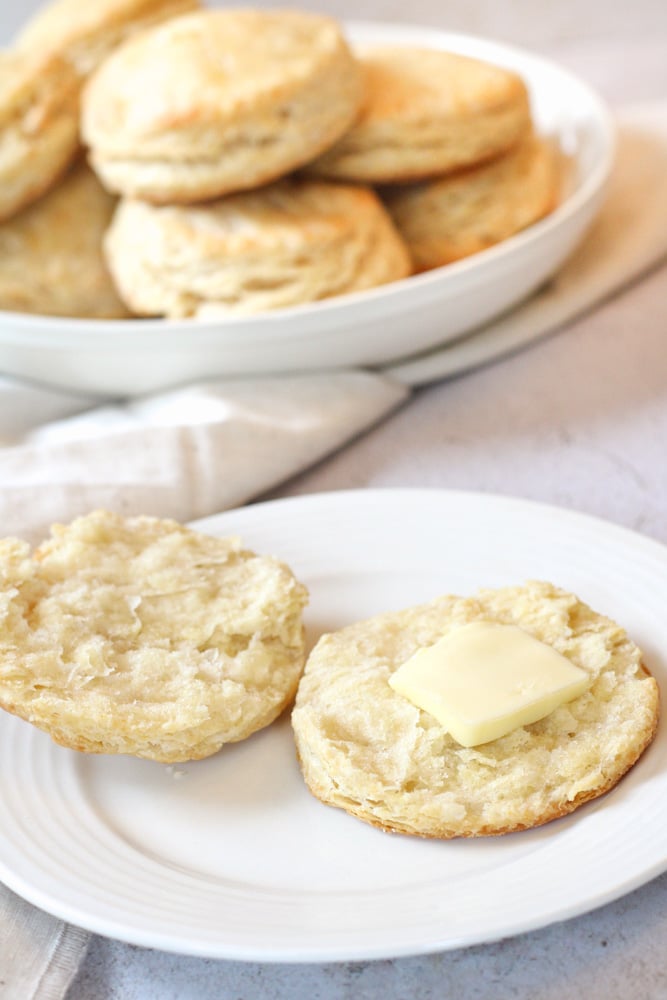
54	211
258	161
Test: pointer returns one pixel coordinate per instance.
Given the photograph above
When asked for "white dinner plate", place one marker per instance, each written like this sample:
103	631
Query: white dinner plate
231	857
371	328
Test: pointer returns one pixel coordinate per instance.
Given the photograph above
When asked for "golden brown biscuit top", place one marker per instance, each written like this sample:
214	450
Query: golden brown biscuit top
65	22
207	67
410	84
36	85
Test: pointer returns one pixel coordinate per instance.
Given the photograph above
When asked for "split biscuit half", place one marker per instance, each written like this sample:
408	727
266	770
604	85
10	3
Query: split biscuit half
366	749
292	242
39	126
217	102
427	112
51	259
139	636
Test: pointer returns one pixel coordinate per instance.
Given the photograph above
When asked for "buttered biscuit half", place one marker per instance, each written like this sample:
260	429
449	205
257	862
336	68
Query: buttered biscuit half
473	716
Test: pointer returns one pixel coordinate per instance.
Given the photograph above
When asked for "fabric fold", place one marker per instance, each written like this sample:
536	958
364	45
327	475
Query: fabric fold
39	955
186	453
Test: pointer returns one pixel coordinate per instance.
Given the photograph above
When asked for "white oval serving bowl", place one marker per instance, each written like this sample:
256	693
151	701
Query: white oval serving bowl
371	328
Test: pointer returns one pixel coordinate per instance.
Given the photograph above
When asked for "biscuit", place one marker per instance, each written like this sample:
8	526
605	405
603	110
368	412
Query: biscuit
452	217
427	112
51	259
366	749
289	243
85	33
138	636
218	102
39	126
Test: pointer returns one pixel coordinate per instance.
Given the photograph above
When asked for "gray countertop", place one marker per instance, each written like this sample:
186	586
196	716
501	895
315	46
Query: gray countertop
579	420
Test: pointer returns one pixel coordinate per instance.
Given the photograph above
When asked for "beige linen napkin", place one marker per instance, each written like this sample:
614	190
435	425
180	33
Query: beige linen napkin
39	956
196	450
185	453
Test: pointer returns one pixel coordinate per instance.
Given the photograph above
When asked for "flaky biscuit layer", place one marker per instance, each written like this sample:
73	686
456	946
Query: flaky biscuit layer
289	243
427	112
139	636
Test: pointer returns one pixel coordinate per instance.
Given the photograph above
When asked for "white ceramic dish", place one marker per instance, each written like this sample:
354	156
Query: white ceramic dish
373	328
231	857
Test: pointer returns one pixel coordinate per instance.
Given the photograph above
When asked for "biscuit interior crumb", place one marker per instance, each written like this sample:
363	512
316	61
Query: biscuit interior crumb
140	636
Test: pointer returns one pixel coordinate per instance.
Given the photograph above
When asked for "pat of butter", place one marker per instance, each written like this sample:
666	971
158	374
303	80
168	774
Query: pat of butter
483	680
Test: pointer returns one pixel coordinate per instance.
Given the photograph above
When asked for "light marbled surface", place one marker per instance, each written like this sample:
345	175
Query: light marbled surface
580	420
